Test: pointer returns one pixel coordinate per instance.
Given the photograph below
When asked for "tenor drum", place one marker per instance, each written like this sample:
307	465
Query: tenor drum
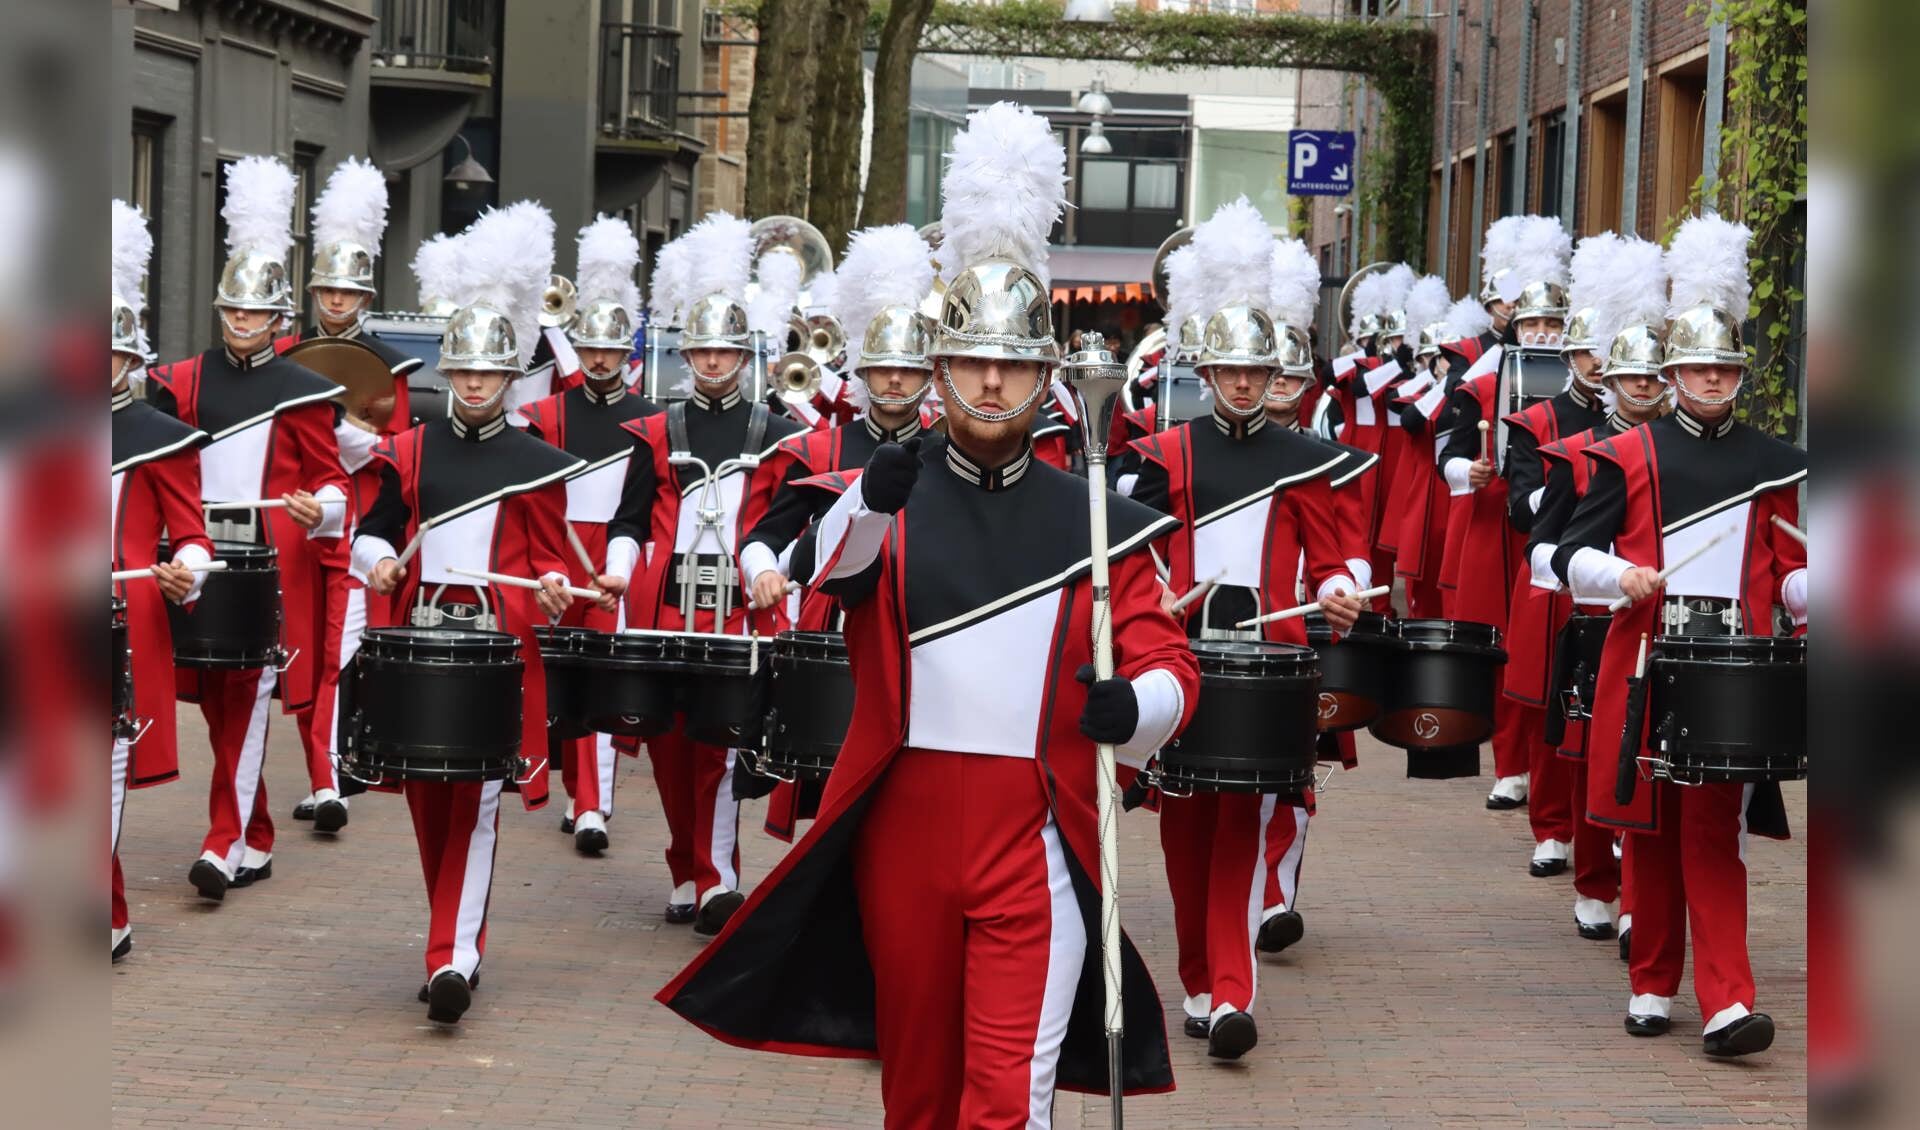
812	704
122	670
566	682
1442	678
235	623
1729	708
717	688
1253	729
433	704
610	682
1353	672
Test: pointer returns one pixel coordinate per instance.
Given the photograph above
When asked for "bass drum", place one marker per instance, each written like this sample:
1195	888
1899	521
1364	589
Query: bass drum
432	704
235	623
1729	708
1442	678
812	704
1253	730
1353	672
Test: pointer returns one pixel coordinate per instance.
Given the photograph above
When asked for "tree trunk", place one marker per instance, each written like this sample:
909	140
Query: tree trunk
885	201
780	115
839	101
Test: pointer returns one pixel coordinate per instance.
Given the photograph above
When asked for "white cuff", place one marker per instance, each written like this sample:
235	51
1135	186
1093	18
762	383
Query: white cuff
333	512
1793	594
1338	583
1362	572
1533	500
1540	562
622	552
853	532
1456	470
1594	575
191	555
755	559
1124	485
369	551
356	446
1161	703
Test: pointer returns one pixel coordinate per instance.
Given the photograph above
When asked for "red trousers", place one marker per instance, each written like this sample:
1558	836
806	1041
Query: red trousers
346	601
976	941
1550	796
1596	874
587	764
457	826
1216	850
695	781
1692	872
1286	851
236	705
1511	750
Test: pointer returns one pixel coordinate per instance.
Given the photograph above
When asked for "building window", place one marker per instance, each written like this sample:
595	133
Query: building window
1466	243
144	193
1682	126
1156	186
1103	185
1553	135
1509	191
305	161
1133	197
1606	158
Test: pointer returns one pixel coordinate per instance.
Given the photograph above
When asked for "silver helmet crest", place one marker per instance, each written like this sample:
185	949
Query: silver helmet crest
479	337
897	337
602	324
342	265
996	309
1238	335
1636	351
254	280
1704	335
714	322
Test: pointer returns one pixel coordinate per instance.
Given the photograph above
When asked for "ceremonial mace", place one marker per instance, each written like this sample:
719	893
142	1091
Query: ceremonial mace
1097	378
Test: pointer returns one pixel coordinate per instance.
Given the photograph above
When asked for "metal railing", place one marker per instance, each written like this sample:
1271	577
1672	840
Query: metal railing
431	34
639	80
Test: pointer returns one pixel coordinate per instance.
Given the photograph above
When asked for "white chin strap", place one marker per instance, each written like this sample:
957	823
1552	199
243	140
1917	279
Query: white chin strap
265	331
1705	401
487	405
911	401
739	363
1226	405
1287	401
1647	402
953	397
1550	339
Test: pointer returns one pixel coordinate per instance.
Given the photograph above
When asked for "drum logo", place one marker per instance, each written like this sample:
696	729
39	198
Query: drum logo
1329	706
1426	726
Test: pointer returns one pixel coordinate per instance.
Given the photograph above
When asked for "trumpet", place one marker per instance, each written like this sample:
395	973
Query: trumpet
558	302
796	377
819	336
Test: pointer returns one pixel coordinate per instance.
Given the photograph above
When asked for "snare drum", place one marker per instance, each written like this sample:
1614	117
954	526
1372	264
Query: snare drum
1253	730
566	682
433	704
717	687
1581	642
235	623
1728	708
812	704
1353	672
1441	682
626	682
122	672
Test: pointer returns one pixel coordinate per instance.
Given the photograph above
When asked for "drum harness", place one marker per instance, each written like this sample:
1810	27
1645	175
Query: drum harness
693	569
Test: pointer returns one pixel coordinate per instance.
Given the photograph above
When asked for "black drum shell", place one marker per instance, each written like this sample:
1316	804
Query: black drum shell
625	683
122	654
717	691
235	622
1585	637
1353	672
1442	681
437	705
1253	729
812	703
560	659
1729	708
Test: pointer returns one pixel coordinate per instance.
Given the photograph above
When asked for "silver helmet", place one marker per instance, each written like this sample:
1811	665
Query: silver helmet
1393	323
1369	326
1430	338
1238	335
1636	351
479	337
342	265
714	322
1294	350
254	280
1579	332
602	324
897	337
1704	335
126	330
1540	300
996	309
1191	331
1490	286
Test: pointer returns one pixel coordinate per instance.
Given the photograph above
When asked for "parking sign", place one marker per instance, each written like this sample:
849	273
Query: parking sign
1319	162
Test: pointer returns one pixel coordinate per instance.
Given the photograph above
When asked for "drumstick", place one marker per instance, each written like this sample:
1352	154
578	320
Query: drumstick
198	567
522	582
1310	606
1640	662
413	546
1159	566
1791	530
1661	578
247	504
580	548
1197	591
1486	441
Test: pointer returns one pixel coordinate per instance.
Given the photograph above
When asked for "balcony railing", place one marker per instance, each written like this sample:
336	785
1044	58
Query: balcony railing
639	80
434	35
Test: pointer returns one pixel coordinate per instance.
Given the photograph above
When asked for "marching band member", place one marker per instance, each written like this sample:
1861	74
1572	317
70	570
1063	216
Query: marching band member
1449	351
1632	297
1654	494
156	495
1250	499
1405	470
1483	547
349	217
1367	385
272	427
696	512
476	494
589	421
938	913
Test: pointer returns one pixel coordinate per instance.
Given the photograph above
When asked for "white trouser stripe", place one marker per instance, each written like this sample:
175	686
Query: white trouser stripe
1066	953
1256	900
122	756
726	828
476	882
1290	861
352	626
253	759
604	755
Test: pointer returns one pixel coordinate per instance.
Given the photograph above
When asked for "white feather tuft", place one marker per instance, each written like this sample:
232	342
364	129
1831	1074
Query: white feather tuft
1623	280
1540	251
1186	294
1707	262
714	256
1235	251
1497	252
608	253
770	308
1294	289
436	268
821	292
1005	188
132	249
507	257
1467	318
1426	303
352	207
259	207
884	266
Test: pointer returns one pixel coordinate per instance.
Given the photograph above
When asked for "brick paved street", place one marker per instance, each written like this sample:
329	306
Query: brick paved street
1437	985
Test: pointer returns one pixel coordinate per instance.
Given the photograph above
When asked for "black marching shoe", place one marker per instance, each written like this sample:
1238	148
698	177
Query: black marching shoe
248	876
1647	1025
123	947
1196	1026
1279	932
679	913
1496	803
208	880
1232	1036
566	825
473	985
1596	932
330	815
715	913
1626	944
1745	1036
304	810
1547	868
448	997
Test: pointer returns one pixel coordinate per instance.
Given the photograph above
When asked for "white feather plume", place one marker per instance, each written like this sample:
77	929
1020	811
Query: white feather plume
436	268
1467	318
1497	252
132	249
1294	289
779	288
667	288
1541	250
1235	248
1186	294
259	206
885	266
507	257
1630	288
608	253
1371	296
352	207
1592	259
1707	262
821	292
1399	279
714	256
1005	187
1426	303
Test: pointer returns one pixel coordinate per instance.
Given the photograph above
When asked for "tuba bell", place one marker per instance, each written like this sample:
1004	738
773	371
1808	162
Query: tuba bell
1343	310
558	302
796	377
1168	246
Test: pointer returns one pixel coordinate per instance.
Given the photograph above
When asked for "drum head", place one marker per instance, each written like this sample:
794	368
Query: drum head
240	555
1734	649
1464	636
1253	658
450	645
829	647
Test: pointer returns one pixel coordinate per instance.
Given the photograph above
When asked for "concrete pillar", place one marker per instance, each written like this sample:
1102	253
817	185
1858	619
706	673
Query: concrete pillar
549	99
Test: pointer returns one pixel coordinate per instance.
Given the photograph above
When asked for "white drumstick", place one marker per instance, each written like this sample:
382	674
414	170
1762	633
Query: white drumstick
1670	570
580	547
1486	441
413	546
1791	530
521	582
1159	566
247	504
1640	662
1197	591
199	567
1310	606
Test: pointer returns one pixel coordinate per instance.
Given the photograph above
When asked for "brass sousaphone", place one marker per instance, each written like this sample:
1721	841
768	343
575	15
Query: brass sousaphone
354	366
1343	310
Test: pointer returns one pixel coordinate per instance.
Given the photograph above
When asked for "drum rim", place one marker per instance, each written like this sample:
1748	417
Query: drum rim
466	639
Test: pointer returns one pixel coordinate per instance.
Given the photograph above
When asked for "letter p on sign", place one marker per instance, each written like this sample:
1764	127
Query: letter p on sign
1306	154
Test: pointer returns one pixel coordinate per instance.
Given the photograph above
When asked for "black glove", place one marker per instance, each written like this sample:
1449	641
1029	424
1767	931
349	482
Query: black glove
1112	712
889	478
1404	355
